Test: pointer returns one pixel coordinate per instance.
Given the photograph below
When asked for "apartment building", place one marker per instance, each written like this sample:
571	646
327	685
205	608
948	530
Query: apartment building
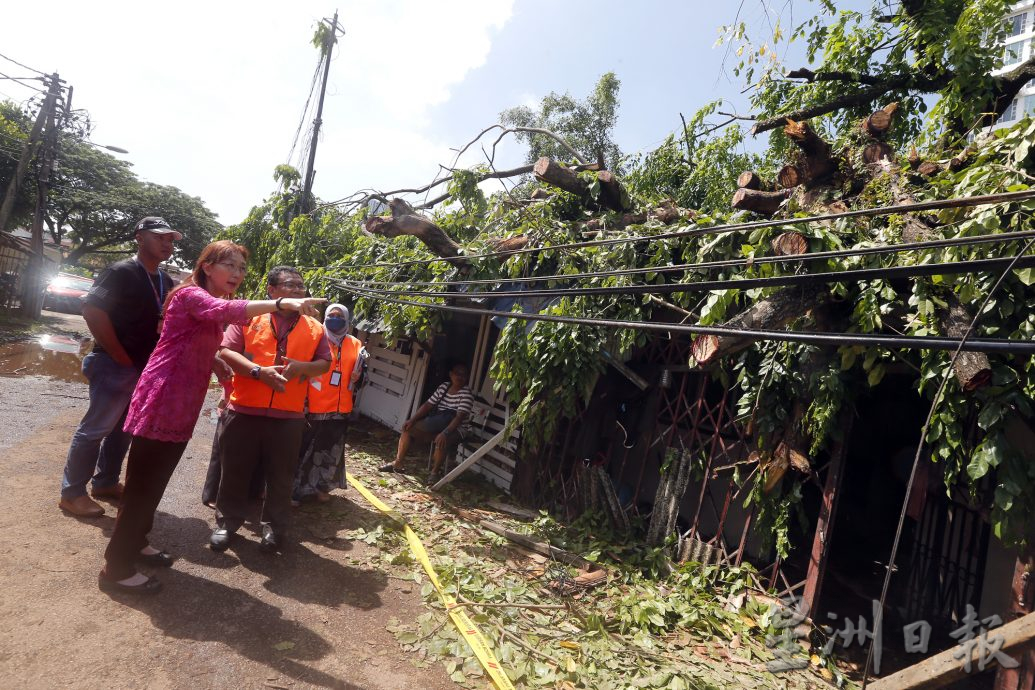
1018	47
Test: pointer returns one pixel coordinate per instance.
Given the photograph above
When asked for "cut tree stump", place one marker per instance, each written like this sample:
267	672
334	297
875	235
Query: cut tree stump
876	151
789	244
790	176
749	180
766	203
877	123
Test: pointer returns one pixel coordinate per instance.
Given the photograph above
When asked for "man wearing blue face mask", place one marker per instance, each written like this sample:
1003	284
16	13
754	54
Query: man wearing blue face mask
322	458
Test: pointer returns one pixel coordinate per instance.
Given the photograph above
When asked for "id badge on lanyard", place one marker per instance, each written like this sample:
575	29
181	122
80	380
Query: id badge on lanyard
335	378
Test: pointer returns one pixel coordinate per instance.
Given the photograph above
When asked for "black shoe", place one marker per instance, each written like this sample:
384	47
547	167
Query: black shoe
148	587
220	539
269	542
160	559
390	467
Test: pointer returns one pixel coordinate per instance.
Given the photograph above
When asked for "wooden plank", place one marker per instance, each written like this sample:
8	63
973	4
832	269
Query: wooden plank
825	523
470	460
391	356
944	668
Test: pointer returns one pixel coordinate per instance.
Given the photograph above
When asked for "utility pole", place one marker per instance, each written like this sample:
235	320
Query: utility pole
28	152
306	202
32	285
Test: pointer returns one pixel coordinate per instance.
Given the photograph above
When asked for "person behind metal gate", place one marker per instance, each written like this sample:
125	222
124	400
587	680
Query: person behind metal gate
168	398
272	356
123	311
443	419
322	459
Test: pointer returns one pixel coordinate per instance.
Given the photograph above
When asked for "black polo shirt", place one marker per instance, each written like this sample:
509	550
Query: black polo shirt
131	297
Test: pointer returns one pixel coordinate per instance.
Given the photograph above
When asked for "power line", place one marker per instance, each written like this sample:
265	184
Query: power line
836	339
31	69
851	275
956	202
732	263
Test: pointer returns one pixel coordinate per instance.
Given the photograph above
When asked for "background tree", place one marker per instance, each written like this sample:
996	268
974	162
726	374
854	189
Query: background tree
903	51
586	124
95	198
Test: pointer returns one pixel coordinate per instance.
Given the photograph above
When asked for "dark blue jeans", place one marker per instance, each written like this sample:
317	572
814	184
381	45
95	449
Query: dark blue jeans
99	445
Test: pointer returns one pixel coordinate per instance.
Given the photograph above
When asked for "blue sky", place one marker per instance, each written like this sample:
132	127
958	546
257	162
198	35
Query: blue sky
207	96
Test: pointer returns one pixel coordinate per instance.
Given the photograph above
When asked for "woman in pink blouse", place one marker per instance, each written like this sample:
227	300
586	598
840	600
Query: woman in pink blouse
168	398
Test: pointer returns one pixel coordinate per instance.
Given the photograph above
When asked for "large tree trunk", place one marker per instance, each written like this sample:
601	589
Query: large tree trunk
818	162
612	195
771	313
973	369
765	203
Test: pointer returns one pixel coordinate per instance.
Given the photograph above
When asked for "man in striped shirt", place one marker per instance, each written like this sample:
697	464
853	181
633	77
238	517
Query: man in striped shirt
444	419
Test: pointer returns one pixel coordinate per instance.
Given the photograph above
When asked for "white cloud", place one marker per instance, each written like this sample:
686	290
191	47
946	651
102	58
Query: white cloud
207	95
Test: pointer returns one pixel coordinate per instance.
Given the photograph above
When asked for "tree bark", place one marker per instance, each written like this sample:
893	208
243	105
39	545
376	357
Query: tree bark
818	162
876	151
973	369
612	193
765	203
928	168
914	159
771	313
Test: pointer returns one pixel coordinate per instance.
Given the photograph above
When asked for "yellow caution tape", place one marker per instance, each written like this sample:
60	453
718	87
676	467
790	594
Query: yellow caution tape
467	628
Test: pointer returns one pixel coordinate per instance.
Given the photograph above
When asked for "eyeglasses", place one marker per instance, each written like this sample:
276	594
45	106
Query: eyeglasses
232	267
292	285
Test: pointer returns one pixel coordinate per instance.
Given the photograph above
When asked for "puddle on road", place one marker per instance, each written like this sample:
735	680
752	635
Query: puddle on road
56	356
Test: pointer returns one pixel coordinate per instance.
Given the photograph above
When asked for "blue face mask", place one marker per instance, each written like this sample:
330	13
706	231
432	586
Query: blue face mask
335	323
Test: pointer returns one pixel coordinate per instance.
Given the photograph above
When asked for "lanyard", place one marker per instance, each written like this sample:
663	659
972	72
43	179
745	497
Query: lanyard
158	292
282	344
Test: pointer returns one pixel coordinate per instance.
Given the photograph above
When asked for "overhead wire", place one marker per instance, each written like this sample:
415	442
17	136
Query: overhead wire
31	69
939	204
730	263
836	339
851	275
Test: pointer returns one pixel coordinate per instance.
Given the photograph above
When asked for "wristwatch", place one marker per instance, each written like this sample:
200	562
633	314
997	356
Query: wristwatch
255	372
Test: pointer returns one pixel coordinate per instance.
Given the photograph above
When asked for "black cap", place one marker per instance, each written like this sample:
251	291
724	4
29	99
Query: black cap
158	226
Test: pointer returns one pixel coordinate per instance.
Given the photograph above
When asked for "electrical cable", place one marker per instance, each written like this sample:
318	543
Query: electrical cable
906	342
21	81
852	275
963	342
733	263
22	66
956	202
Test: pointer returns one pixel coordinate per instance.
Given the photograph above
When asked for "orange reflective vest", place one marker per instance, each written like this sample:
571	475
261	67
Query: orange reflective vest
260	346
330	392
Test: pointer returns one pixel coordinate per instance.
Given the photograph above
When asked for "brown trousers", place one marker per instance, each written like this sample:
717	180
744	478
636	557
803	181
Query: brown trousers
151	464
247	441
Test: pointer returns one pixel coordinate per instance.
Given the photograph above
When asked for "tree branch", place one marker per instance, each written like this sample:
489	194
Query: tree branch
906	82
851	77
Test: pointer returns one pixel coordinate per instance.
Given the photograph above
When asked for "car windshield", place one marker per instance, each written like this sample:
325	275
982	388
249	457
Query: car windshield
71	283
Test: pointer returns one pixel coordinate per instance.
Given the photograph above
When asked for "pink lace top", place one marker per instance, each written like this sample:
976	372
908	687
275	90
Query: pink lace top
168	397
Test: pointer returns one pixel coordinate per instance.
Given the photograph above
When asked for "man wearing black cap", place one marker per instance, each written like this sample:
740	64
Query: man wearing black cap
123	312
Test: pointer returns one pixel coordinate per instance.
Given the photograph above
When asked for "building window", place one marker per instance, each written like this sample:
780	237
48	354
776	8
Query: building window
1017	24
1010	114
1013	53
1029	105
